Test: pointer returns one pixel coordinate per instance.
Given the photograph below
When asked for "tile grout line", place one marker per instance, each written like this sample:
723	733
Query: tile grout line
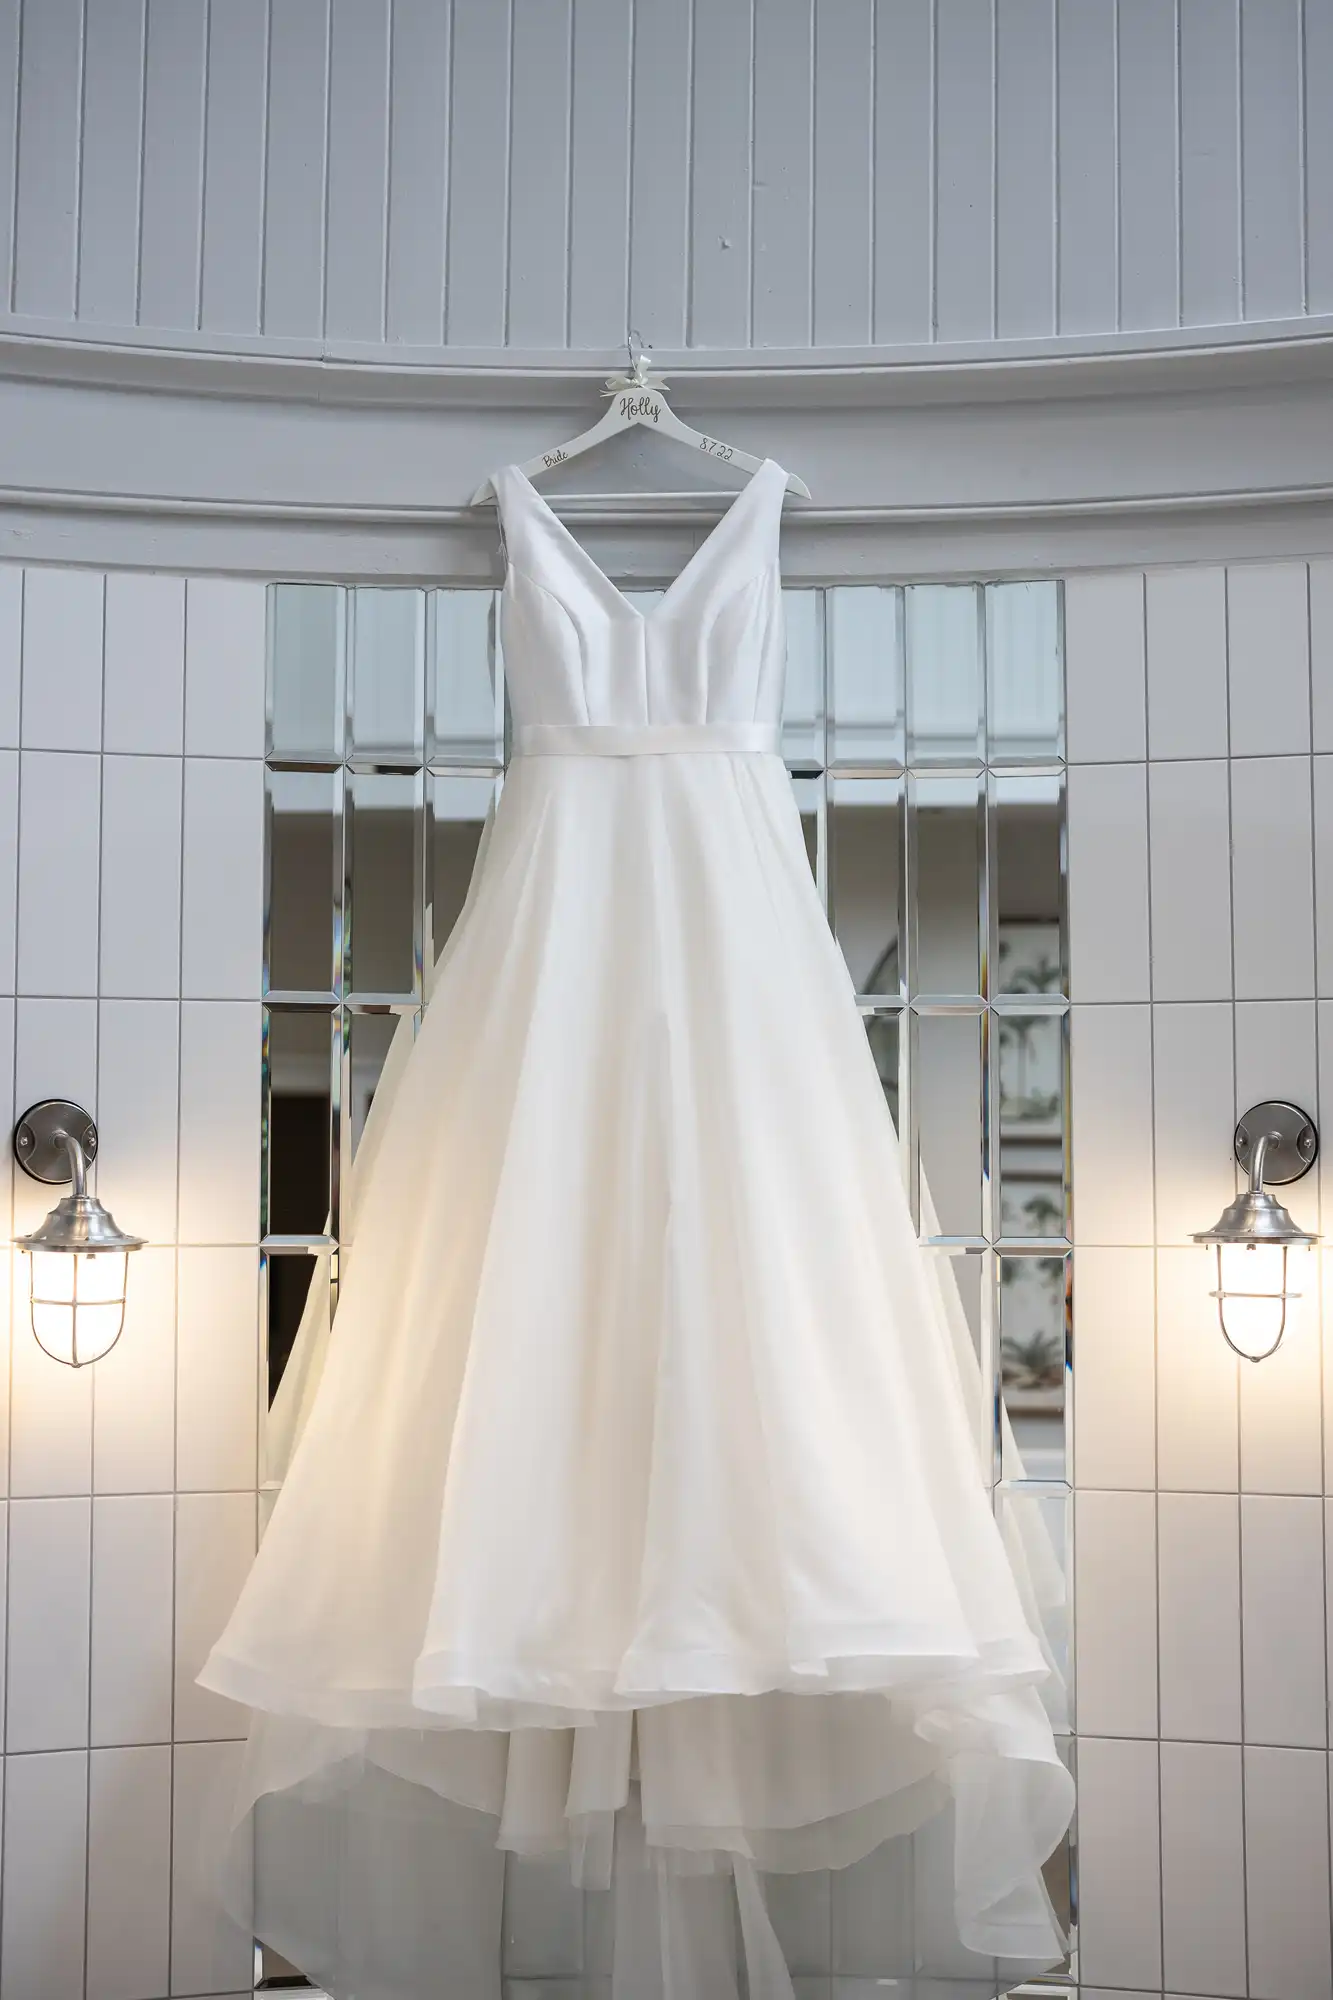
9	1359
1154	1213
92	1384
1318	1253
176	1293
1240	1439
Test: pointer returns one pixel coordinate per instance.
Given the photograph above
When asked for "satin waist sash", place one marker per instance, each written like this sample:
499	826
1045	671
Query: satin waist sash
649	739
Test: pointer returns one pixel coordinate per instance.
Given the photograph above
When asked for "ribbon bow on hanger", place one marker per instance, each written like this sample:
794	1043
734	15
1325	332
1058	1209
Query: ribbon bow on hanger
640	377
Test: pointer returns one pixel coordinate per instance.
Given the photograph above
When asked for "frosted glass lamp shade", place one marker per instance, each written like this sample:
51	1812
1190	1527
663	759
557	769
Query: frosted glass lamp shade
1255	1284
77	1299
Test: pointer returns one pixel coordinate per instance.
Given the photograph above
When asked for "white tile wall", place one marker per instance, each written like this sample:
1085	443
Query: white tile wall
62	659
144	685
141	876
219	1121
1203	1868
9	839
134	1408
1198	1538
1202	1614
1286	1874
1120	1863
217	1389
208	1953
1112	1125
59	842
46	1696
1115	1338
1321	653
113	1582
1105	687
132	1595
1268	639
1194	1117
224	668
1214	1839
1187	663
129	1872
1115	1675
1108	858
1282	1620
223	857
1189	814
1272	877
1323	872
215	1542
11	652
45	1874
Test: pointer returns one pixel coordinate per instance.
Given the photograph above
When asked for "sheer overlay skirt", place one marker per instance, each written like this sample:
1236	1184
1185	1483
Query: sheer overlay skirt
632	1521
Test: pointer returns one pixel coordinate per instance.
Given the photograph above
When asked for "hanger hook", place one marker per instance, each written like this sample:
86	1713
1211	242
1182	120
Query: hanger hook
636	363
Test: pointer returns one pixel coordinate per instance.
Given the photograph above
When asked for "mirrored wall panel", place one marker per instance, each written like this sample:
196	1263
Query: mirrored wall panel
924	733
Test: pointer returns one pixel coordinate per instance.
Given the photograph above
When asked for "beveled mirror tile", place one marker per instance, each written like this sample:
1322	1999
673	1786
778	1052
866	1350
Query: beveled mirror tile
289	1282
305	695
946	851
966	1280
1026	882
865	888
464	678
457	804
1061	1877
805	690
1025	690
369	1036
888	1046
1030	1062
303	868
302	1051
867	724
947	1092
384	860
812	804
946	695
386	676
1036	1521
1034	1318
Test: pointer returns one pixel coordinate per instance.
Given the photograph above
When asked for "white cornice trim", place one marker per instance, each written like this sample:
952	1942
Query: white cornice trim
264	464
1175	360
649	511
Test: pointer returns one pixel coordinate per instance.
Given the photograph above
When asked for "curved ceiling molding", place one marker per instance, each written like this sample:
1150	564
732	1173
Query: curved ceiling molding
343	463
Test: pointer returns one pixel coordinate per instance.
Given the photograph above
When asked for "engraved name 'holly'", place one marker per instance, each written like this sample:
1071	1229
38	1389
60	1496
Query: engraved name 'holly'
640	406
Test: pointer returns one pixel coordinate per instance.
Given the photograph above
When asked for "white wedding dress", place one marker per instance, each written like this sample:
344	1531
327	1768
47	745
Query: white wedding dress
633	1515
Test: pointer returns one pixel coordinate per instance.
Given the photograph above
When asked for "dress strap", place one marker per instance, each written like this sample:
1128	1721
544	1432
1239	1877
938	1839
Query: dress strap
500	487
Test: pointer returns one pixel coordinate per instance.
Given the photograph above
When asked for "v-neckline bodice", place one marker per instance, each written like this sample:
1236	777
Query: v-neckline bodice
729	516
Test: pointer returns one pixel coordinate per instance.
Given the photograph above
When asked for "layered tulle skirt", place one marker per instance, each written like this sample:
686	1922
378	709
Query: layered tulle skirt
634	1522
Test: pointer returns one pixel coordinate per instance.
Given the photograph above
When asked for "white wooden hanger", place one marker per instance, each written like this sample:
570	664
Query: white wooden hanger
637	398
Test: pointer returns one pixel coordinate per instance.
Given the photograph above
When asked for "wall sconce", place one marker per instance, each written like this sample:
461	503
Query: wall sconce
78	1259
1255	1237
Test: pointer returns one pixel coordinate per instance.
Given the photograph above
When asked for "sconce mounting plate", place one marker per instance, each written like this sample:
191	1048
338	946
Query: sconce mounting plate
1292	1153
36	1147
